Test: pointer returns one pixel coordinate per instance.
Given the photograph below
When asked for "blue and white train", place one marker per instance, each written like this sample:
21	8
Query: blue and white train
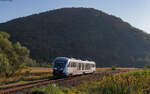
63	66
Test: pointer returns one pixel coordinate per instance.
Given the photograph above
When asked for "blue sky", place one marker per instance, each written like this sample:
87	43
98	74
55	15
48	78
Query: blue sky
136	12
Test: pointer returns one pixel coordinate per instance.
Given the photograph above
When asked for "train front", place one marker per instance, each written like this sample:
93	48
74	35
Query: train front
59	66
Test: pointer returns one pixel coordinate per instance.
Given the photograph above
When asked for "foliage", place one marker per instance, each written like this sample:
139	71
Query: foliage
25	78
50	89
113	68
83	33
134	82
13	57
147	67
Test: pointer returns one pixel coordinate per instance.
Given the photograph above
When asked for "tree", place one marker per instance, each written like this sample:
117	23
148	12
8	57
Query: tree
13	57
4	65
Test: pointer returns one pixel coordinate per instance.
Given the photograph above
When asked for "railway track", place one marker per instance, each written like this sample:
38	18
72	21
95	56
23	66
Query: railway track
15	88
20	87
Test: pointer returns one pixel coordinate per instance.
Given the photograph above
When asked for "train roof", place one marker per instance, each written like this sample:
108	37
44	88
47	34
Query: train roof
76	60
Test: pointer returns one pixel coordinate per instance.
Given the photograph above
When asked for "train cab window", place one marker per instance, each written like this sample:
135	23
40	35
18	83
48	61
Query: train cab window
60	64
93	65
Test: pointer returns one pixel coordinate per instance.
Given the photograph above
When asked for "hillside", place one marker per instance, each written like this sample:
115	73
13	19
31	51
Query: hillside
84	33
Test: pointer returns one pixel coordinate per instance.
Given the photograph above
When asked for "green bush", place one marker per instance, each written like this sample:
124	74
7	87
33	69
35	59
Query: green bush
147	67
113	67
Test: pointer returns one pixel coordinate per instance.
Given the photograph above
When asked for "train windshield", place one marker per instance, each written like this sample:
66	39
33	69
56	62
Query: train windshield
60	63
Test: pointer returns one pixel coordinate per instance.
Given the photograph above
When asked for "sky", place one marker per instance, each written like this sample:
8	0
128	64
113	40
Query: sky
135	12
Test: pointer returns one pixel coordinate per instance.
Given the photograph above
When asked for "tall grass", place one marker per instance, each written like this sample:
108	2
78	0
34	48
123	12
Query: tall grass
135	82
122	84
27	75
50	89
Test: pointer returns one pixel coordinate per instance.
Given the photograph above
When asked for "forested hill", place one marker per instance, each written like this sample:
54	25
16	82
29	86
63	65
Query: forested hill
84	33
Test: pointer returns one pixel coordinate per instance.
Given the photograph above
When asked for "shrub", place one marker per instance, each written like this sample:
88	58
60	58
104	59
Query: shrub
113	67
147	67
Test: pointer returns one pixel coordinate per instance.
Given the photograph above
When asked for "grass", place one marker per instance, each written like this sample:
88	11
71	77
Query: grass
38	73
39	70
133	82
27	76
50	89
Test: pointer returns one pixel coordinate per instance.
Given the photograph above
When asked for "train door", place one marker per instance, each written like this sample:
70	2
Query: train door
74	68
82	65
79	68
69	68
93	67
87	68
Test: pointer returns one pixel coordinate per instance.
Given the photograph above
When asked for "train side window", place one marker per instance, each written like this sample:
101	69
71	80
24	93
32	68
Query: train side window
86	66
82	66
71	64
79	66
74	64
